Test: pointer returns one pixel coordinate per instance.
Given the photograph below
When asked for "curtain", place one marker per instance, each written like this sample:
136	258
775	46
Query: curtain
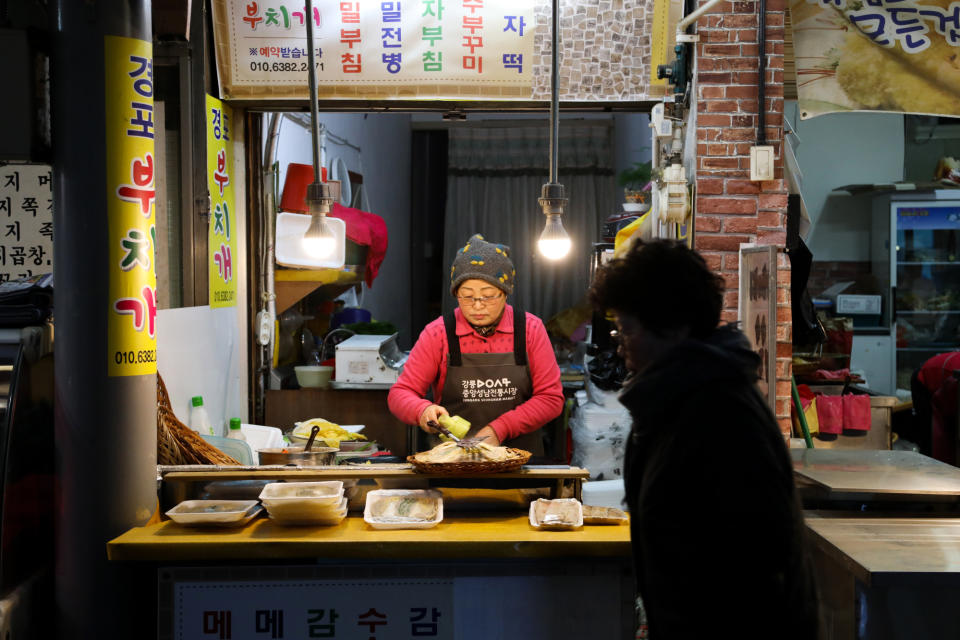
494	181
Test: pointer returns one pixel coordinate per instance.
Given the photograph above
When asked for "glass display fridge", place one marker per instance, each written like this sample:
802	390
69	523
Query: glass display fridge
925	280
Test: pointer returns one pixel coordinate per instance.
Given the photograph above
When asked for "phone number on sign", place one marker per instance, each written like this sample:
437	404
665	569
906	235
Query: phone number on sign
283	66
135	357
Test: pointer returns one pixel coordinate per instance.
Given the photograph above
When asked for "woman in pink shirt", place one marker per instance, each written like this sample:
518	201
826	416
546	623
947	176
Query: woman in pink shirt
487	362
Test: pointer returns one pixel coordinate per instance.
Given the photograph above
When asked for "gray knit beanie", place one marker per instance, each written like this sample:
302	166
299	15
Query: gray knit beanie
484	261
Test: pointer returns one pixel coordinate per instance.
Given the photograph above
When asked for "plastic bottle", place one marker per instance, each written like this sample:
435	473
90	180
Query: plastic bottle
199	420
235	431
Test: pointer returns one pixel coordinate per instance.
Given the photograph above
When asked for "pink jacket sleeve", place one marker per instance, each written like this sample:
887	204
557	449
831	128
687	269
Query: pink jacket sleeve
546	402
406	398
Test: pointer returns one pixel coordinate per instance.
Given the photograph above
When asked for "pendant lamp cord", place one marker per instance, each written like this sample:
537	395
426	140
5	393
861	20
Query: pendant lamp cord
314	107
554	93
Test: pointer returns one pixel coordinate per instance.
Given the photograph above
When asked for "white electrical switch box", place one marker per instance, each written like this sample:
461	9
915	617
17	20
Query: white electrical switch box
761	163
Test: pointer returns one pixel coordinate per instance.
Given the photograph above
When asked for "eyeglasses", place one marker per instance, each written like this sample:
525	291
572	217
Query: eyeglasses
483	301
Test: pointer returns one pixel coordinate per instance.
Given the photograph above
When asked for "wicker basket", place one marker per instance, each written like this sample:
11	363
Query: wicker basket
179	444
518	459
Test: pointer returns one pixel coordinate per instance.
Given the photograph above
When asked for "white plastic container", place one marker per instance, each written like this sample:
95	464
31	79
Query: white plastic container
215	513
563	514
305	503
403	508
199	420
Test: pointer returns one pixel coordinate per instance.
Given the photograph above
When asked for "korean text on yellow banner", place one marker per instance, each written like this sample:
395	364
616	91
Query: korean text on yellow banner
131	189
222	239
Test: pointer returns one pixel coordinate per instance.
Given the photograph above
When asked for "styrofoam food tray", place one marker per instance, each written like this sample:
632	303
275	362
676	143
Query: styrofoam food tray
538	521
377	501
217	513
297	515
319	494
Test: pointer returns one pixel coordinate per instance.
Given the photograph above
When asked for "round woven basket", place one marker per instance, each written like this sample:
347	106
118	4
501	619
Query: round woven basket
518	458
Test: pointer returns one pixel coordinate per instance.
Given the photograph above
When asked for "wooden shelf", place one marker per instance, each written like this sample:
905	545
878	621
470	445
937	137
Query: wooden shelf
292	285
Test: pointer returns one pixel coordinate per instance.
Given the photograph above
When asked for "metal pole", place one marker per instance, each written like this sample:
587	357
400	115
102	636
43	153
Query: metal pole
554	93
314	107
105	425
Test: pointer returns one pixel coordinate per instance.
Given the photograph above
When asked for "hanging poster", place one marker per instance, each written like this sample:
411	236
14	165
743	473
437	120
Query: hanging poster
489	50
222	238
131	190
26	221
365	42
878	55
757	311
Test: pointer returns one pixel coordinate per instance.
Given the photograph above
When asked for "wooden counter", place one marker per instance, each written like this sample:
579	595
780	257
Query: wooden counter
473	536
882	578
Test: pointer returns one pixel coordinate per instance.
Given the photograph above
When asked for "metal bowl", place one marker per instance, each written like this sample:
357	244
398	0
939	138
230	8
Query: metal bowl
296	456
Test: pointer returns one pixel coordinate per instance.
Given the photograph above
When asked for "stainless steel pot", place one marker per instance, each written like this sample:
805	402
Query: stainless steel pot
296	456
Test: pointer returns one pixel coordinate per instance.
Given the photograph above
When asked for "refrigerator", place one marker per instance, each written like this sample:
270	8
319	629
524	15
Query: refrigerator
923	245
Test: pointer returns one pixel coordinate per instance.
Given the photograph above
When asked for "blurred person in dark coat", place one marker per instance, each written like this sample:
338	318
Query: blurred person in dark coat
716	528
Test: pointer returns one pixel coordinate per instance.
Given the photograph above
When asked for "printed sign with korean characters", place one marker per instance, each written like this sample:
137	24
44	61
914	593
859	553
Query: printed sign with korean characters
358	609
877	55
26	221
377	49
131	191
222	239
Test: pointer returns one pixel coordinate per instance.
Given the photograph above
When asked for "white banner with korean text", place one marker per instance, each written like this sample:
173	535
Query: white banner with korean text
877	55
376	48
26	220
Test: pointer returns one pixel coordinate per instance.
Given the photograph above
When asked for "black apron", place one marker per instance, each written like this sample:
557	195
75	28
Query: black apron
481	387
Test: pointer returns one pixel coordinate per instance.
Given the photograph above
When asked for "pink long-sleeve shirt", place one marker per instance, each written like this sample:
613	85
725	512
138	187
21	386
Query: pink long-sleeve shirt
426	367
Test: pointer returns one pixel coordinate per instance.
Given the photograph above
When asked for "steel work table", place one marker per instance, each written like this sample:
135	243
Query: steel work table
875	475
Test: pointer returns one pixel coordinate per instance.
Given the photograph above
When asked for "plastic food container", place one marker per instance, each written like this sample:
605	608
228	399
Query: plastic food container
215	513
403	508
603	515
564	514
315	376
308	503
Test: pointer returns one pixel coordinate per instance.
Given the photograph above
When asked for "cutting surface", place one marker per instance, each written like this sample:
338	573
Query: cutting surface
891	550
865	471
474	536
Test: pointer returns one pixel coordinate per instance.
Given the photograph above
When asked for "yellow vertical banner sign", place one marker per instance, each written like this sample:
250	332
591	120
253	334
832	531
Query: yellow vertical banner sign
222	240
131	190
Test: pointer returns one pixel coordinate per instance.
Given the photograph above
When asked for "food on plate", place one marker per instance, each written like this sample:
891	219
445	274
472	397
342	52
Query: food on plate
330	433
452	452
404	509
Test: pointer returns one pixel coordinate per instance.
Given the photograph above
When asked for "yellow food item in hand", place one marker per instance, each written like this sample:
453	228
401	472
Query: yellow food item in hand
330	433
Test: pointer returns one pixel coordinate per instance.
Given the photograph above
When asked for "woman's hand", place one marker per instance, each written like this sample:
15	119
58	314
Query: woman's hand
488	435
431	413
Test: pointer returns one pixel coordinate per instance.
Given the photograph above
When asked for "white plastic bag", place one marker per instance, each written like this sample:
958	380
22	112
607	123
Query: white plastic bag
599	436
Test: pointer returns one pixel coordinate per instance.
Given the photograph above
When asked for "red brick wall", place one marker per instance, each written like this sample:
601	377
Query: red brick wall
729	208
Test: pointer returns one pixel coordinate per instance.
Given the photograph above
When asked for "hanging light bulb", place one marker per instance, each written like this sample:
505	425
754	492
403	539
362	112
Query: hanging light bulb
554	242
320	240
